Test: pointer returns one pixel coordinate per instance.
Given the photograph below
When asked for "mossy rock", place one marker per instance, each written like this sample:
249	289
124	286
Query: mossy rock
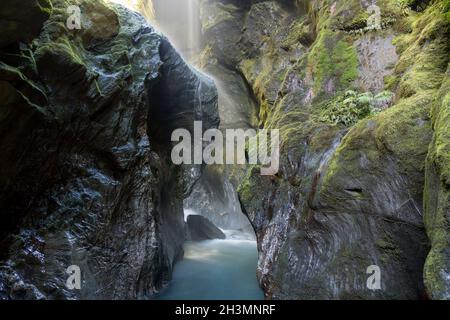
99	23
347	109
437	198
332	63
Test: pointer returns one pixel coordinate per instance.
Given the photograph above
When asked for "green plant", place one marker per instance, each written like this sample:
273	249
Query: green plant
349	108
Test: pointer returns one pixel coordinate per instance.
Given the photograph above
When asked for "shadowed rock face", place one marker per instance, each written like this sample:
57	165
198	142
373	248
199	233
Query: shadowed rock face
82	181
180	95
21	21
200	228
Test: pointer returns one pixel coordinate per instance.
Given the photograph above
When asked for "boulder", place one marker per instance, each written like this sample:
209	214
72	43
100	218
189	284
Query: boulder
200	228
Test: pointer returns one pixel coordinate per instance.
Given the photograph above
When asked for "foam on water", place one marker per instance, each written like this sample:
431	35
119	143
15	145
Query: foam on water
216	269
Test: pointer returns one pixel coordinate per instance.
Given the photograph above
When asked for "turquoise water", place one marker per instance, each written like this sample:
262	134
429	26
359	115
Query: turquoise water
216	269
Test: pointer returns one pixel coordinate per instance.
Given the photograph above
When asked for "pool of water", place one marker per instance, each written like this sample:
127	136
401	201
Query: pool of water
216	269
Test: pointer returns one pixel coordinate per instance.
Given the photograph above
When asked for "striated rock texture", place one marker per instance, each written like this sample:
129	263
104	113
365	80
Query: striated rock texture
364	169
85	171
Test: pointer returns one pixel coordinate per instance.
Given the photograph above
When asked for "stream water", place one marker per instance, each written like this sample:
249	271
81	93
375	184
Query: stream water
212	269
215	270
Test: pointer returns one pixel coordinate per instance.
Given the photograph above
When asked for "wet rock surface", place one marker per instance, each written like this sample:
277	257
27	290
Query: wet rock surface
85	174
200	228
347	196
85	180
377	58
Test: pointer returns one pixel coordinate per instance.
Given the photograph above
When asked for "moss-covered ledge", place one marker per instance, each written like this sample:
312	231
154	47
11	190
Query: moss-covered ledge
437	199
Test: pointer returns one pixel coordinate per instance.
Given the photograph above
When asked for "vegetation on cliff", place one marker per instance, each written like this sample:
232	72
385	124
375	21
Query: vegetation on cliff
355	144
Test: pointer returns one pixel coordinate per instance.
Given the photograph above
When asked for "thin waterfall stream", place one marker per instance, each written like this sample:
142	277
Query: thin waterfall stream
216	150
218	268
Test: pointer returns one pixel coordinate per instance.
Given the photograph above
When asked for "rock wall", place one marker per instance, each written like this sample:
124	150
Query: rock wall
85	171
352	103
85	119
214	195
437	198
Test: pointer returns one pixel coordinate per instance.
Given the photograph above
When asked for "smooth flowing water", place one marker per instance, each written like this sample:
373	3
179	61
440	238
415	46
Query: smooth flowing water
213	269
216	269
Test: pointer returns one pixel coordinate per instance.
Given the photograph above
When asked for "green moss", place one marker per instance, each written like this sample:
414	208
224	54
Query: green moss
333	60
402	131
205	58
438	230
437	196
10	94
246	189
441	152
288	124
405	130
359	21
349	108
445	10
388	247
424	53
65	48
262	74
299	32
46	6
391	82
417	5
424	59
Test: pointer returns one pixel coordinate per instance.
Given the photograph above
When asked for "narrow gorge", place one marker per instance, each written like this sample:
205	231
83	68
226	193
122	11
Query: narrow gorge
357	89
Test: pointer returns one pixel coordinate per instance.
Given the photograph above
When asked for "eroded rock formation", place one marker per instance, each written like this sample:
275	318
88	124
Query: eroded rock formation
85	171
356	187
363	111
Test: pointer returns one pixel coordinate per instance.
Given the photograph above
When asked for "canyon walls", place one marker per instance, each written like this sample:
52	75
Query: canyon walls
353	102
86	176
360	99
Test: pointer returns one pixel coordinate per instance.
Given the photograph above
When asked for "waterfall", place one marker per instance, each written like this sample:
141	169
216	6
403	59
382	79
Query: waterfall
193	26
177	19
224	268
